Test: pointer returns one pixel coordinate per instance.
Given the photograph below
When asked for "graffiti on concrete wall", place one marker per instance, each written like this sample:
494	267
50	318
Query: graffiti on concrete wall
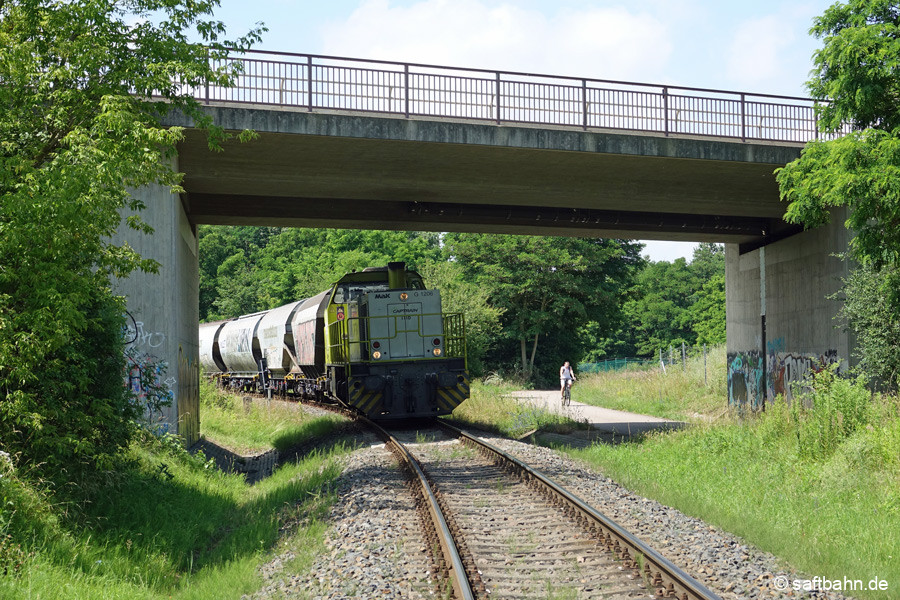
146	373
145	378
750	382
142	336
789	372
745	379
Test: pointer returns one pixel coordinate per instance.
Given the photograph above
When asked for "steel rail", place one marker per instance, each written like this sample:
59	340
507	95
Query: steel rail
456	571
669	579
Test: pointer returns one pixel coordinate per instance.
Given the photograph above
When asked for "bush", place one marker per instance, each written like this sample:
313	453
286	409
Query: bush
830	412
65	404
871	309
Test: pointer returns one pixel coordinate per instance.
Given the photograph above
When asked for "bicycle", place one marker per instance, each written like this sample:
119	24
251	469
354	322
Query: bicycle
567	393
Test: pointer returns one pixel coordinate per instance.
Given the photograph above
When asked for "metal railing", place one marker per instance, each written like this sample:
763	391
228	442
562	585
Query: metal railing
314	82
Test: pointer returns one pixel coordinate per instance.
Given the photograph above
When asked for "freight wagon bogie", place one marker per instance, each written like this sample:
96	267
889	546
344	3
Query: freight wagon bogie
377	342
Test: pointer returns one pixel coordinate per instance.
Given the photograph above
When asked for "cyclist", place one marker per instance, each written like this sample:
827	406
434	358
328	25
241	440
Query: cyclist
566	377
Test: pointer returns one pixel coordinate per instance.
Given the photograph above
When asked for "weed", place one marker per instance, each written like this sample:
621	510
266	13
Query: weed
815	483
161	524
692	394
491	407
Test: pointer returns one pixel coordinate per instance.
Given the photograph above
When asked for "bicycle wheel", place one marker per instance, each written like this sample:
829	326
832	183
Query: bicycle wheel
567	396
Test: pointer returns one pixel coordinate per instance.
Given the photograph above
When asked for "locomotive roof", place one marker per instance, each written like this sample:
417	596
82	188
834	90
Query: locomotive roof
373	274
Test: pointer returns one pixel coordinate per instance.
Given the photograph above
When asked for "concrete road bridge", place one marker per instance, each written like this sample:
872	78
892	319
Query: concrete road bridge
372	144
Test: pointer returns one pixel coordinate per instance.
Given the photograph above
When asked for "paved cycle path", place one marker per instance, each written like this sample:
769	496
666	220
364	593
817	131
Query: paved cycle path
605	420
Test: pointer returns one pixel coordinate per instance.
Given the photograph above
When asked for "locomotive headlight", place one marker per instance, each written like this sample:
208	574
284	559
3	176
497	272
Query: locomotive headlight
376	355
404	296
437	351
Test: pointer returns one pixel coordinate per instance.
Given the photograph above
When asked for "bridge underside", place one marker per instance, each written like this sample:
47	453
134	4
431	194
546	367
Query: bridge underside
363	171
343	170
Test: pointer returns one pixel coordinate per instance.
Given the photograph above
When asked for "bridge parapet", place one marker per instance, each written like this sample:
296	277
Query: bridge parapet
315	82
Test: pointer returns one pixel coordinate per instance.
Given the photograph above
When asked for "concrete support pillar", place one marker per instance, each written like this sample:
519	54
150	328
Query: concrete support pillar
798	334
163	311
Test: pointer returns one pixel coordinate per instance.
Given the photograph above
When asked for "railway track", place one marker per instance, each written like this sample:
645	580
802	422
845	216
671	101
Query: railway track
498	528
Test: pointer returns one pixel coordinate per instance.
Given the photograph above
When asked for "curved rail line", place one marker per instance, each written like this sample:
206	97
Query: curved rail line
668	579
453	567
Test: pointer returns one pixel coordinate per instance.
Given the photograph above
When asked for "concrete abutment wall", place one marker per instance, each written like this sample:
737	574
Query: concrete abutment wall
163	311
800	335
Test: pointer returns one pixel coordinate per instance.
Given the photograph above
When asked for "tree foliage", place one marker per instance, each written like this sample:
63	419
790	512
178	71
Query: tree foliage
82	85
871	301
858	72
675	302
547	286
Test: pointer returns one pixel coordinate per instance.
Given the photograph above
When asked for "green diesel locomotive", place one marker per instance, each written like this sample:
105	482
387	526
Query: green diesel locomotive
377	341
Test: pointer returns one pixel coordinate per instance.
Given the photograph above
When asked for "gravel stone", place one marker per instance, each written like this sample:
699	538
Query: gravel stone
725	563
374	548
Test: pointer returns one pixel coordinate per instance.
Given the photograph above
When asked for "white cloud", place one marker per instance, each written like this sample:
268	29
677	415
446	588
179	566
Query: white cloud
757	49
608	43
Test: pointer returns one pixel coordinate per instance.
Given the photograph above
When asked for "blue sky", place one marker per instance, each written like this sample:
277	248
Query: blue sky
760	46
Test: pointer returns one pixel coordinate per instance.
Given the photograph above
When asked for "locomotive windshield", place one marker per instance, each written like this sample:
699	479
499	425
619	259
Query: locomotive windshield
351	291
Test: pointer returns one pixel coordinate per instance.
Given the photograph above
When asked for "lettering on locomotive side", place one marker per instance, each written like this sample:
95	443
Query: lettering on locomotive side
400	311
382	296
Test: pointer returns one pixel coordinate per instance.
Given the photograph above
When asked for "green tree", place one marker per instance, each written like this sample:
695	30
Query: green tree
708	312
671	303
82	85
658	314
461	295
872	298
858	72
547	285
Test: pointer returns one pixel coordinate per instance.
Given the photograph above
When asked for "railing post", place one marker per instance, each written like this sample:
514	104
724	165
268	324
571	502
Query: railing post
309	83
499	103
665	93
743	118
816	120
406	90
584	105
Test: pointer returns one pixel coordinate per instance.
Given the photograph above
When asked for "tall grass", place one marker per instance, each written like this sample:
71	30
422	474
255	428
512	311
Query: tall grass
492	408
688	393
817	483
162	524
260	425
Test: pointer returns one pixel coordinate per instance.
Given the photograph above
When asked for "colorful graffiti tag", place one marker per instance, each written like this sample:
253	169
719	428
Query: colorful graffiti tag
145	380
146	372
745	379
750	382
788	372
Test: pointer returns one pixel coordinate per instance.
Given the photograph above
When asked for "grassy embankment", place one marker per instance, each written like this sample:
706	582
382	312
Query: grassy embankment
690	393
492	409
819	487
165	524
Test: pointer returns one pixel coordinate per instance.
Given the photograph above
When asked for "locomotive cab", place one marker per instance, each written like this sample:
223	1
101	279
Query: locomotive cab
391	351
